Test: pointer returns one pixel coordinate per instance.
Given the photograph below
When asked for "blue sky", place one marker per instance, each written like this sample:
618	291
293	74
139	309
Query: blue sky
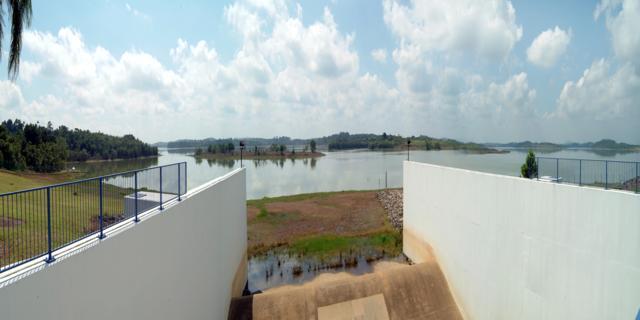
472	70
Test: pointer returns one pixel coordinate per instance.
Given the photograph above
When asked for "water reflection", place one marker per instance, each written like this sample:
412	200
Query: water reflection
278	267
99	168
348	170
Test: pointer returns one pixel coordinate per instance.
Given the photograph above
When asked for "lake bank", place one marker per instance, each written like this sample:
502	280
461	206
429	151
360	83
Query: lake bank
14	181
262	155
294	238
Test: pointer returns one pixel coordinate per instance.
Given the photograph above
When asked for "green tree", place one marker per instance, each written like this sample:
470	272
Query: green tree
529	168
283	148
20	13
312	145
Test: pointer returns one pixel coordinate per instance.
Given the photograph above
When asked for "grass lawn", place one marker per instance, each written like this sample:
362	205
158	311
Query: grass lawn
74	213
12	181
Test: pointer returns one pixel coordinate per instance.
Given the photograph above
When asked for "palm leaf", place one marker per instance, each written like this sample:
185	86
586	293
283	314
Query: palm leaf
20	13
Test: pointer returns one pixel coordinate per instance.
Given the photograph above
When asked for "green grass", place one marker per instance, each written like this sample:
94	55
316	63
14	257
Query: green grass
298	197
11	182
265	214
389	241
74	212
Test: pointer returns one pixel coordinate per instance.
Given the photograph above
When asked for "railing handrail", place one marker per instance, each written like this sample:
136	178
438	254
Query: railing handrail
69	235
632	182
595	160
66	183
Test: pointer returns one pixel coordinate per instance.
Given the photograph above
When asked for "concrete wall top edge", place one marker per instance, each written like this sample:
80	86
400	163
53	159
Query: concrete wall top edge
559	185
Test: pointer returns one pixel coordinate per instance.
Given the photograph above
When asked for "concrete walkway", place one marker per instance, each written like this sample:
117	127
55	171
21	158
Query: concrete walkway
403	292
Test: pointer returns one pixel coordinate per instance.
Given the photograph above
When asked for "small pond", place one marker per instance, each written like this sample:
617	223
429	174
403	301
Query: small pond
279	267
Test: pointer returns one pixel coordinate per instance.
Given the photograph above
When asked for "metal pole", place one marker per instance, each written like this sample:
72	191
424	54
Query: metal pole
101	236
580	174
179	198
185	178
135	196
385	179
606	174
637	177
537	168
50	256
240	157
161	208
557	170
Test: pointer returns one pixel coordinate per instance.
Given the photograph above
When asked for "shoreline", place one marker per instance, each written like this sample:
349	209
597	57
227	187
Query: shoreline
111	160
251	156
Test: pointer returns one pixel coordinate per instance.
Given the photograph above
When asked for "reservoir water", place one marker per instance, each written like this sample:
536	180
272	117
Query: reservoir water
345	170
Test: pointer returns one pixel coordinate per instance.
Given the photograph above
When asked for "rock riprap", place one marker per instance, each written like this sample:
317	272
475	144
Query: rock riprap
392	202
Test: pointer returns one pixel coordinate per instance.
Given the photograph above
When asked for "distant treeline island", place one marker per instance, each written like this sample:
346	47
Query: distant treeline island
335	142
384	141
29	146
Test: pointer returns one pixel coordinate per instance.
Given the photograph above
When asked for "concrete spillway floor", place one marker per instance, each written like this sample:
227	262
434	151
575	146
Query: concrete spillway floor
417	291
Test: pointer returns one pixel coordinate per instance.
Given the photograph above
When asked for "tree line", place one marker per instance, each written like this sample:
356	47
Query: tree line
229	148
45	149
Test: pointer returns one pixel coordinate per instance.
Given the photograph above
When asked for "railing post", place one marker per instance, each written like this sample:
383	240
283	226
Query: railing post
101	236
161	208
49	251
179	182
135	195
580	174
606	174
185	178
538	168
557	170
637	177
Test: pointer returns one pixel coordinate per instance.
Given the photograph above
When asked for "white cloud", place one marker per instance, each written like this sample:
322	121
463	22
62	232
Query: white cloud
286	77
548	47
137	13
10	96
601	94
623	22
379	55
603	101
289	77
432	30
486	29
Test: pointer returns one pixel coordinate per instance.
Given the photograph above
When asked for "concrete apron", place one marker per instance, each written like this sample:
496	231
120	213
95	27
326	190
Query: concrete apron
417	291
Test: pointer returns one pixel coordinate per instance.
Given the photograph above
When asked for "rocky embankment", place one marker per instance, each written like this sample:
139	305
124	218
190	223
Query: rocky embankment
392	202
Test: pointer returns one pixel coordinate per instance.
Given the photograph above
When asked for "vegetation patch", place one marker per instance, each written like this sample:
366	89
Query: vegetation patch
34	147
319	222
390	242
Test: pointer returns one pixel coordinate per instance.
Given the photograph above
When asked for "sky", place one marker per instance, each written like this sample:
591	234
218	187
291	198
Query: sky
482	71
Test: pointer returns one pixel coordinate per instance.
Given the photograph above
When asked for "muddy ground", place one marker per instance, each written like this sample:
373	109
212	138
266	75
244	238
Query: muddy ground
280	221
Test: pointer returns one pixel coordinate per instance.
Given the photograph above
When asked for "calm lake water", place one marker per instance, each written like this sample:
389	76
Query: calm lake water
345	170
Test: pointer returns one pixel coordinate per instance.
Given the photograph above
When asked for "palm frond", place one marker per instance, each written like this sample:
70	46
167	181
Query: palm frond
21	13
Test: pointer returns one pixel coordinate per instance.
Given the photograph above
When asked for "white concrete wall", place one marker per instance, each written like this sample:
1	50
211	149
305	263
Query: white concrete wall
514	248
177	264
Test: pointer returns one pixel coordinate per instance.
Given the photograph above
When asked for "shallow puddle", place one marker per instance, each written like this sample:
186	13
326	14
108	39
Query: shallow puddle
277	267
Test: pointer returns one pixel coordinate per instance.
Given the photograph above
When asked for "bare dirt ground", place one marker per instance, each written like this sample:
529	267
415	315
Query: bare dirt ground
279	221
9	222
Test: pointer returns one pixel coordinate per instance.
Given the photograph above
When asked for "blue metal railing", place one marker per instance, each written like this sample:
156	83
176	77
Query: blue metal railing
608	174
36	222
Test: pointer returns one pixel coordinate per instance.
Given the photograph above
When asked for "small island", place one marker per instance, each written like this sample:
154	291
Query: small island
228	151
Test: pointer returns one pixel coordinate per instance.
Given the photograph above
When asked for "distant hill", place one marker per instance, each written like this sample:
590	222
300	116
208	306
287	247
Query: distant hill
45	149
604	144
345	141
203	143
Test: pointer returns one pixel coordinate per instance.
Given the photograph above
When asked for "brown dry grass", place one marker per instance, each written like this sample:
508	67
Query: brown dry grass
278	221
